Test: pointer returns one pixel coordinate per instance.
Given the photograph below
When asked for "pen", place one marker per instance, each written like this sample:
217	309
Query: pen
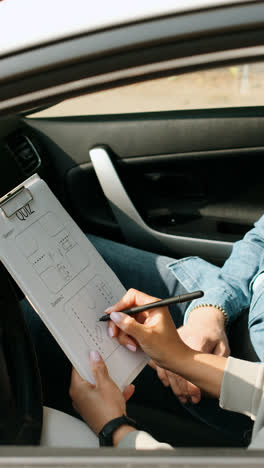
162	303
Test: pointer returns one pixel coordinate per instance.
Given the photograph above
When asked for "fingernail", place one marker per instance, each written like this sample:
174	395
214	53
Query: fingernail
116	317
131	347
183	400
110	332
95	356
108	309
195	400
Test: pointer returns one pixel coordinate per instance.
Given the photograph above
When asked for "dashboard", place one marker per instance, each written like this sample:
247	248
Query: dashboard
20	154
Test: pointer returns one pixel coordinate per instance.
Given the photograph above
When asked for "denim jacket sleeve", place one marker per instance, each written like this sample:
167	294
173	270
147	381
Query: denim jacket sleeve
229	286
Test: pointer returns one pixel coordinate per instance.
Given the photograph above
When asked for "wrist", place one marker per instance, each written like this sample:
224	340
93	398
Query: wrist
185	364
208	312
202	369
120	433
180	359
115	429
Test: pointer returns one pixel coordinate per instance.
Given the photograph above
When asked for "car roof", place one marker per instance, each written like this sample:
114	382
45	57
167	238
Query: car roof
29	23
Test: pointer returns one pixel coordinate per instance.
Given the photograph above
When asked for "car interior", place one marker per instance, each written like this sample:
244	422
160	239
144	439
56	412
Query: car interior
149	133
188	180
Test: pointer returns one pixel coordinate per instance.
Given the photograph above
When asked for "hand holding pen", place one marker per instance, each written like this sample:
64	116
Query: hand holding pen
153	329
159	303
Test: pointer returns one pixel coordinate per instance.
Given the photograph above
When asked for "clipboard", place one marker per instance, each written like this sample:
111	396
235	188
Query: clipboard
64	278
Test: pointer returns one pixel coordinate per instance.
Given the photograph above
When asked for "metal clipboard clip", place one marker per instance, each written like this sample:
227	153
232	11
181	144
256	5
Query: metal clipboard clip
14	201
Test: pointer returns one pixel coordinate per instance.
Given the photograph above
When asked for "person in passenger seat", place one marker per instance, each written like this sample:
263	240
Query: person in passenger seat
239	384
203	325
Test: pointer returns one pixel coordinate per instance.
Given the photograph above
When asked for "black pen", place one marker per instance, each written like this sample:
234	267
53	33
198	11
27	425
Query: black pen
162	303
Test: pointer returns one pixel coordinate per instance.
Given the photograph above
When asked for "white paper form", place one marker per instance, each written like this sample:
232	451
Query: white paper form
64	278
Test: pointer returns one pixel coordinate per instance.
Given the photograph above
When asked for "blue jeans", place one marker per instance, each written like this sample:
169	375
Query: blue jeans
147	272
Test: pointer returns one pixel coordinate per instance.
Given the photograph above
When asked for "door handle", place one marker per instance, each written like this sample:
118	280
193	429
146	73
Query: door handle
134	228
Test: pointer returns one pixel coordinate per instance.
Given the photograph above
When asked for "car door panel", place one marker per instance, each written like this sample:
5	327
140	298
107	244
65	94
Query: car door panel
193	174
156	133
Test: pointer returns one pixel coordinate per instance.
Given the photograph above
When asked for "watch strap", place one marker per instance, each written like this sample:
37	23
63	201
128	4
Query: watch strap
106	434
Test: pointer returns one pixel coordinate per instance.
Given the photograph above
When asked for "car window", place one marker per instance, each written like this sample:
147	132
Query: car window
232	86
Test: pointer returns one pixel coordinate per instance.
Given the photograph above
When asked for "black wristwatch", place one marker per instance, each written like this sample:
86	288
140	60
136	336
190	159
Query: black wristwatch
106	434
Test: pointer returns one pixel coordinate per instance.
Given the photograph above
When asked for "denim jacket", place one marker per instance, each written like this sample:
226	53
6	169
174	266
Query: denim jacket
232	286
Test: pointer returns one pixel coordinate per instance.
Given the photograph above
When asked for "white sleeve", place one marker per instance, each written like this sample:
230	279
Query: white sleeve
141	440
242	387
